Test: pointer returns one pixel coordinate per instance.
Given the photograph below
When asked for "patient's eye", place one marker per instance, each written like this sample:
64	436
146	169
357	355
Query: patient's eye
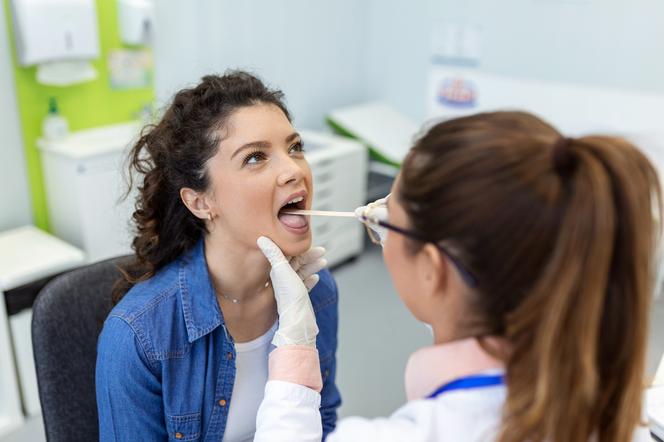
297	147
253	158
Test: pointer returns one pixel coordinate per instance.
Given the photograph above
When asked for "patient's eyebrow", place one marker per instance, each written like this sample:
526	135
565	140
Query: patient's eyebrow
252	145
292	137
262	144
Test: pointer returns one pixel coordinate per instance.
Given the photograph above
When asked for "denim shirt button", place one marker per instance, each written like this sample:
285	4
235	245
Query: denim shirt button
179	435
229	355
222	402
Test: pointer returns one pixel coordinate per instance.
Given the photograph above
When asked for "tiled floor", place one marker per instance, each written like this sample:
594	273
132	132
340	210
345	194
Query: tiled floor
376	335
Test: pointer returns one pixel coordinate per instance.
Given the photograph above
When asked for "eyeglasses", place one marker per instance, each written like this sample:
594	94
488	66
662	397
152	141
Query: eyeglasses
377	230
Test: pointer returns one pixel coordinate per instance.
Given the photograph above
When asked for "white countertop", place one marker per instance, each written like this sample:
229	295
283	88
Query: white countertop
93	142
28	254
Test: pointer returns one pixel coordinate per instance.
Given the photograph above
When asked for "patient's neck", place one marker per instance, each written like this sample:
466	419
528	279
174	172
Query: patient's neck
237	270
240	271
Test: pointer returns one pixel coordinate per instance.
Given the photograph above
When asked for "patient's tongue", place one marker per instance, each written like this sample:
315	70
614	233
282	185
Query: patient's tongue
294	221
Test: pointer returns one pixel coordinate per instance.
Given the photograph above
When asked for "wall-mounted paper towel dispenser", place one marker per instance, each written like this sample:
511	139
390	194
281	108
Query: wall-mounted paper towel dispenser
136	20
55	30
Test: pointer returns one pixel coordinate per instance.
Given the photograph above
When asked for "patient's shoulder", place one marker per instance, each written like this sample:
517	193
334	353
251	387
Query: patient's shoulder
325	293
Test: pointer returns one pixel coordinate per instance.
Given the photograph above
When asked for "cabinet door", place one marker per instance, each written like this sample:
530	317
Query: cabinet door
105	218
11	416
339	184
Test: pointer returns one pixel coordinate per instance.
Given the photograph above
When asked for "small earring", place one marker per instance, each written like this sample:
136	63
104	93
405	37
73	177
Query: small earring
209	216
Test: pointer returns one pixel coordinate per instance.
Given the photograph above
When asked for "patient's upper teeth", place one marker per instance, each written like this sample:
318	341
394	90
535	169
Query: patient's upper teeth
296	200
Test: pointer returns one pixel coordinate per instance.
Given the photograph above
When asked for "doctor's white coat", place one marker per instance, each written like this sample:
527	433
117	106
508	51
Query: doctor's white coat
289	412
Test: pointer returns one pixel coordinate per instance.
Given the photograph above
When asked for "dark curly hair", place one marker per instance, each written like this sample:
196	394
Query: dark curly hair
171	155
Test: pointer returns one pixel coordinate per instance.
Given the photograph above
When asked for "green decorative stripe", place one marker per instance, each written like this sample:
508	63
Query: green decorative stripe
373	152
84	105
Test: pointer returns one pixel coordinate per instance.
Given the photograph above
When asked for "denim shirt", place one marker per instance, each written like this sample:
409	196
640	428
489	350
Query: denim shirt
166	362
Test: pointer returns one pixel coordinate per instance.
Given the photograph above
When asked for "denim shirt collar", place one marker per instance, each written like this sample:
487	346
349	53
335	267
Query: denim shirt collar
199	302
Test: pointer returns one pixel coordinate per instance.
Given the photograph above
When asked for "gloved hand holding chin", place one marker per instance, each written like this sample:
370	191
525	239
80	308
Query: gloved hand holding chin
291	282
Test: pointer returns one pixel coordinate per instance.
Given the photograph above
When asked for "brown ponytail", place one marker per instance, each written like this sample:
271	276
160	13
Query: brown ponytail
172	154
561	236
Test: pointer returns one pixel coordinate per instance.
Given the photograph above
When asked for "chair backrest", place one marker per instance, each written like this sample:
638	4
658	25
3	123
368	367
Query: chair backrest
67	318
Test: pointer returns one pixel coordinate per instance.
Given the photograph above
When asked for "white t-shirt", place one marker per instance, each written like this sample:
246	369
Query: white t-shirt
249	387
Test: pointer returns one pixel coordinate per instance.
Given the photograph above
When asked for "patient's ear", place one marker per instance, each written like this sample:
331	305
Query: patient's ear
196	202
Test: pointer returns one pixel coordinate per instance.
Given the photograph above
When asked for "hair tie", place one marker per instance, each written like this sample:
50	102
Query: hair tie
563	159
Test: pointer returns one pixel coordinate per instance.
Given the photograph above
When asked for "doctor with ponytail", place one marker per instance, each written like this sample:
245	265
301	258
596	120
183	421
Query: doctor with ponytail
531	255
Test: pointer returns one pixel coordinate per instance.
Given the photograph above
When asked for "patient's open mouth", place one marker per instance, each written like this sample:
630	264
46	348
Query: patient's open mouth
294	223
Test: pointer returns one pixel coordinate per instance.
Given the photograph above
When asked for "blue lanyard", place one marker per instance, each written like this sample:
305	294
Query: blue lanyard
468	383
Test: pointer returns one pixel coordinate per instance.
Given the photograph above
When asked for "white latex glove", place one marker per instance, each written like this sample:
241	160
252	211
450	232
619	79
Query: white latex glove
308	264
297	322
377	209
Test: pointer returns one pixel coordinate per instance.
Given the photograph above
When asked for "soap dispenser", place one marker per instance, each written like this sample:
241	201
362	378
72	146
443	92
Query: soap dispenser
55	126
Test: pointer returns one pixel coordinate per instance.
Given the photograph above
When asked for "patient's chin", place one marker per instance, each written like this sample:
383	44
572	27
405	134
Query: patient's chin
294	248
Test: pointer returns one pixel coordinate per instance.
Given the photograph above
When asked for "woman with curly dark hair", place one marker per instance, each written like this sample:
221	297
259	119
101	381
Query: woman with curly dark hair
184	353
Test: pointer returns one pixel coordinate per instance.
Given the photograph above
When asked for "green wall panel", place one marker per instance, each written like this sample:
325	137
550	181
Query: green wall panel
85	105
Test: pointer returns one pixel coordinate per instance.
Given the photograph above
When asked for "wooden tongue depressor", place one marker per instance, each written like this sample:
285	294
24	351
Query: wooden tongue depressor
320	213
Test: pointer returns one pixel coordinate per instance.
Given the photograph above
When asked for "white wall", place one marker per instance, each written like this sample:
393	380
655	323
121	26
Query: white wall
609	43
313	50
15	208
329	54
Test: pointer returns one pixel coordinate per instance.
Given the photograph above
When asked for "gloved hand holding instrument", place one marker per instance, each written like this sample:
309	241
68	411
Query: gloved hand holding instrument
292	279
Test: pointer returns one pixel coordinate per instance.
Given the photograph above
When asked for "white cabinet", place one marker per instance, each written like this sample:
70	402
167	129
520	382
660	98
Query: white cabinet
339	169
27	254
84	177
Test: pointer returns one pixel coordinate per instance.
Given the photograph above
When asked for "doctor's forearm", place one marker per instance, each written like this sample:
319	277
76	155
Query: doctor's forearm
289	413
290	410
298	364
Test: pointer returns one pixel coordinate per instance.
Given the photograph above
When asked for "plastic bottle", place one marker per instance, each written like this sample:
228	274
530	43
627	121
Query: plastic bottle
54	126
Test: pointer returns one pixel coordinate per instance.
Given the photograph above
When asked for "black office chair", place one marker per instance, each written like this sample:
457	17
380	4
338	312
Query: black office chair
67	318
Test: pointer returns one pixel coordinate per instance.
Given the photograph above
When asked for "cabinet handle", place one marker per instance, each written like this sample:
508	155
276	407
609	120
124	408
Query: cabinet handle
325	163
322	229
323	193
323	177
